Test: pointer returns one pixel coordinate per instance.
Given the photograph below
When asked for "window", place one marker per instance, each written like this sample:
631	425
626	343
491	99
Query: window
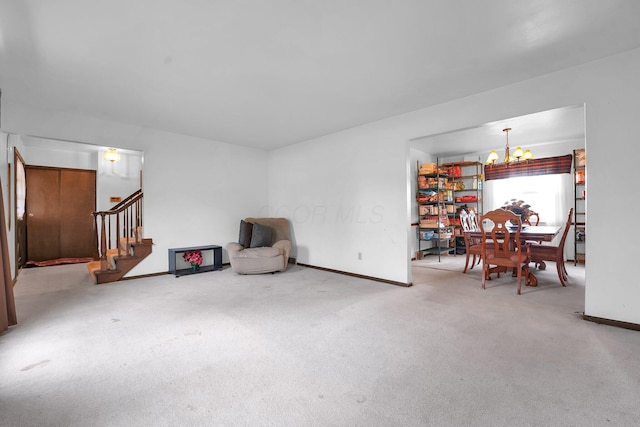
549	195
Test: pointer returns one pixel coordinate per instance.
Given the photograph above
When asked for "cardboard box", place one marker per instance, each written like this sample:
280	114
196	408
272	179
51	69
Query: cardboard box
428	168
429	223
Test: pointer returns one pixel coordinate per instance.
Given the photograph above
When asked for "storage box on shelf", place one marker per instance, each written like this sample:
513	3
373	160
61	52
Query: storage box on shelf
467	182
435	203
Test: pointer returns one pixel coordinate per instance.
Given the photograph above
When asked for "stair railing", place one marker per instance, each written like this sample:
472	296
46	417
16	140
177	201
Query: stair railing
126	220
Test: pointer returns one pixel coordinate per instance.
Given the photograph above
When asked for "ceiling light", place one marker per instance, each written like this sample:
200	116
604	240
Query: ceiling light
112	155
509	158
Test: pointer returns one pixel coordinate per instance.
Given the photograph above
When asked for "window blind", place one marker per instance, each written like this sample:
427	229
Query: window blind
544	166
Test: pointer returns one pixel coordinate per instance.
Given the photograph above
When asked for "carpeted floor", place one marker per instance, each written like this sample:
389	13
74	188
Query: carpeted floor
312	348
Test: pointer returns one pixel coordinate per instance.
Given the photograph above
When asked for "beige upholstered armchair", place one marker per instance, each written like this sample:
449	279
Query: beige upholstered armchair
264	246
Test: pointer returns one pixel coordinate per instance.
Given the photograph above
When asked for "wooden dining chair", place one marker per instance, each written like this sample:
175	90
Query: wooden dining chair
501	246
541	253
532	219
469	222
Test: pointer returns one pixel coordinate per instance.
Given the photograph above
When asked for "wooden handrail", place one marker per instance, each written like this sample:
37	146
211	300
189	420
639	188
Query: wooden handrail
128	221
126	200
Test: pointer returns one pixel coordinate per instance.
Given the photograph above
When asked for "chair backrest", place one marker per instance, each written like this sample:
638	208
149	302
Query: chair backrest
473	221
468	221
279	227
532	219
566	230
464	220
501	228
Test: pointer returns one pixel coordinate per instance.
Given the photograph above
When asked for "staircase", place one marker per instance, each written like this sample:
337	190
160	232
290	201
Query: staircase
119	242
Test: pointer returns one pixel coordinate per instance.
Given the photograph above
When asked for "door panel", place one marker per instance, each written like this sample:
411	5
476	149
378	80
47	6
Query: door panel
43	230
77	202
59	207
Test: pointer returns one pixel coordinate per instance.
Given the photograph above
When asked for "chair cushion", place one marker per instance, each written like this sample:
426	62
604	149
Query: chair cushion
260	236
264	252
245	233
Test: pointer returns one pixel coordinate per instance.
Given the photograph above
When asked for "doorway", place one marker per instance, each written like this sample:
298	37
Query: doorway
59	206
548	133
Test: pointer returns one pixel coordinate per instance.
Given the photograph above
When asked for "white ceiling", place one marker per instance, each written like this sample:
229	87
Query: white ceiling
271	73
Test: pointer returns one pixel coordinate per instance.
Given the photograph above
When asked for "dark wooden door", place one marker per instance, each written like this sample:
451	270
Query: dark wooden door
59	206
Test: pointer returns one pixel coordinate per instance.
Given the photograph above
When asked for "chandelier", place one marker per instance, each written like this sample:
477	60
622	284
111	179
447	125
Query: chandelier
517	155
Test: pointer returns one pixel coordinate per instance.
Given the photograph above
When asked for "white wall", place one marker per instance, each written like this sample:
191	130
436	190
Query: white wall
117	179
346	196
195	191
43	152
369	166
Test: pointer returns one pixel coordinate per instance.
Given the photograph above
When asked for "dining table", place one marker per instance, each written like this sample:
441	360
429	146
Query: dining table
529	233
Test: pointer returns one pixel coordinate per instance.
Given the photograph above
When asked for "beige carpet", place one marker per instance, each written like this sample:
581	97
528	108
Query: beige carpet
312	348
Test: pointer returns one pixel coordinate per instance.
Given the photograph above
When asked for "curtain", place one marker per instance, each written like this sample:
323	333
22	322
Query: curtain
7	304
